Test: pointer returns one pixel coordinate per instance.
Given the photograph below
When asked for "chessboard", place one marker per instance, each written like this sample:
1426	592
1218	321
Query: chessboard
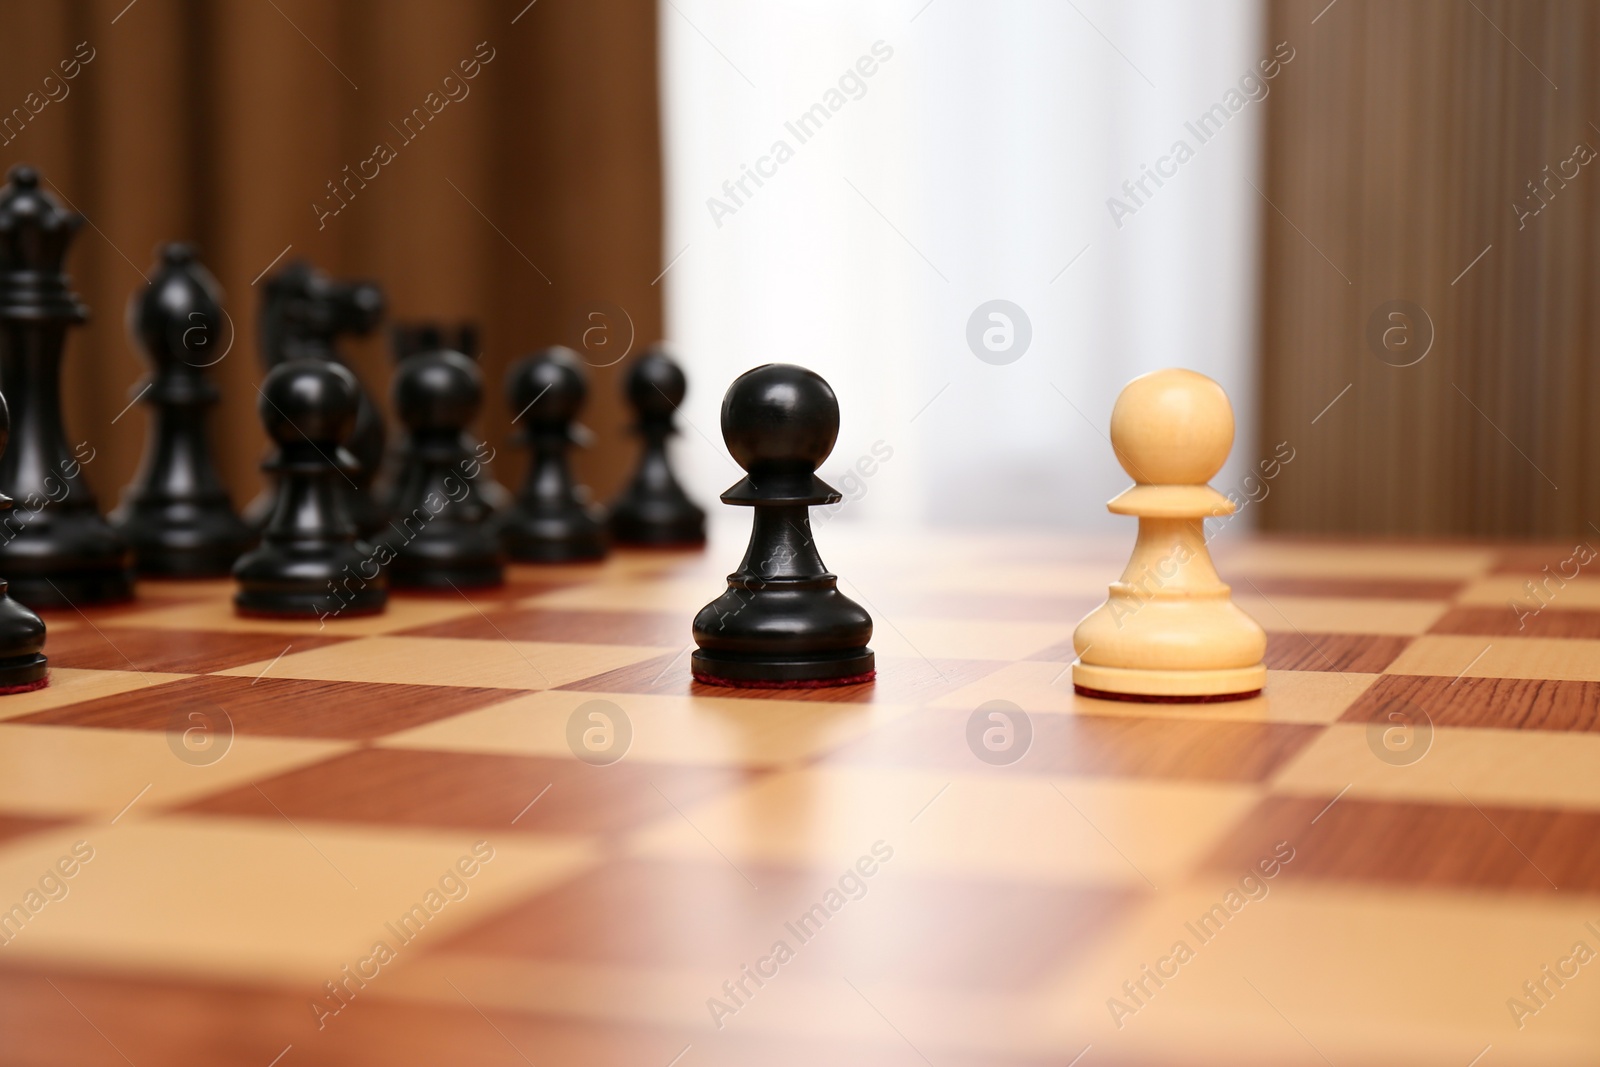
508	827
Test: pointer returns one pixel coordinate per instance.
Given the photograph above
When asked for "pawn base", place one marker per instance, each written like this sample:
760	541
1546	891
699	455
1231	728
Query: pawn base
308	604
1168	687
531	534
154	562
23	674
444	577
576	550
72	589
686	532
755	671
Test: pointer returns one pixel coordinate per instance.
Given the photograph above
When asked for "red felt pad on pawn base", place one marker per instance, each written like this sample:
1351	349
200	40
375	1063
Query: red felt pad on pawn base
1137	698
25	687
820	683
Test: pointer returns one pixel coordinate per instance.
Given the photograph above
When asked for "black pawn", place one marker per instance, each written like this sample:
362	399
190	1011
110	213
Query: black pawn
177	515
549	522
444	539
652	509
55	546
782	621
407	339
304	313
310	563
22	662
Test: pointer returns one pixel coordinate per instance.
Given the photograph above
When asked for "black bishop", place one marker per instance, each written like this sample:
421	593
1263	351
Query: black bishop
177	516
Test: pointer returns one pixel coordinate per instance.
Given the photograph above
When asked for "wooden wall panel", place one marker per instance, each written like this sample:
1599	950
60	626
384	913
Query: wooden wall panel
219	121
1397	144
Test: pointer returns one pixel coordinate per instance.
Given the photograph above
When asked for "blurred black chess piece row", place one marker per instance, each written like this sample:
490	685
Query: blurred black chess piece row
326	525
441	530
327	547
552	519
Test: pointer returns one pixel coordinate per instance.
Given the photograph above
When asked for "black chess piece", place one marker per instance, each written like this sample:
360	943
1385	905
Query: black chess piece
56	548
407	339
177	516
550	520
310	563
782	621
22	660
441	539
304	312
653	509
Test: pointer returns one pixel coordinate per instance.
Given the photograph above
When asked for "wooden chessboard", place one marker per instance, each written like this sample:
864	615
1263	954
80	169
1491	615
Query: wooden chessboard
248	808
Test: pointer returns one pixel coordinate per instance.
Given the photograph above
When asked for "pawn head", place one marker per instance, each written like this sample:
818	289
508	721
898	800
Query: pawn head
547	388
1172	427
178	317
656	385
309	400
780	417
438	390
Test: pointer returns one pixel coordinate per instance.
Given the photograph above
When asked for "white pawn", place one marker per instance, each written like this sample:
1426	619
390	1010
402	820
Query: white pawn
1170	630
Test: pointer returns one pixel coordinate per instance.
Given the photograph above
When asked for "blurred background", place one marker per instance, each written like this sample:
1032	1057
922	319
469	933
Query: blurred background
1373	223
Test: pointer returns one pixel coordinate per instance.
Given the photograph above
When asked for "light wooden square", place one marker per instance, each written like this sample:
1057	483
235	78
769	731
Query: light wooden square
1452	656
1338	615
261	899
721	731
451	661
1025	828
75	770
1532	768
